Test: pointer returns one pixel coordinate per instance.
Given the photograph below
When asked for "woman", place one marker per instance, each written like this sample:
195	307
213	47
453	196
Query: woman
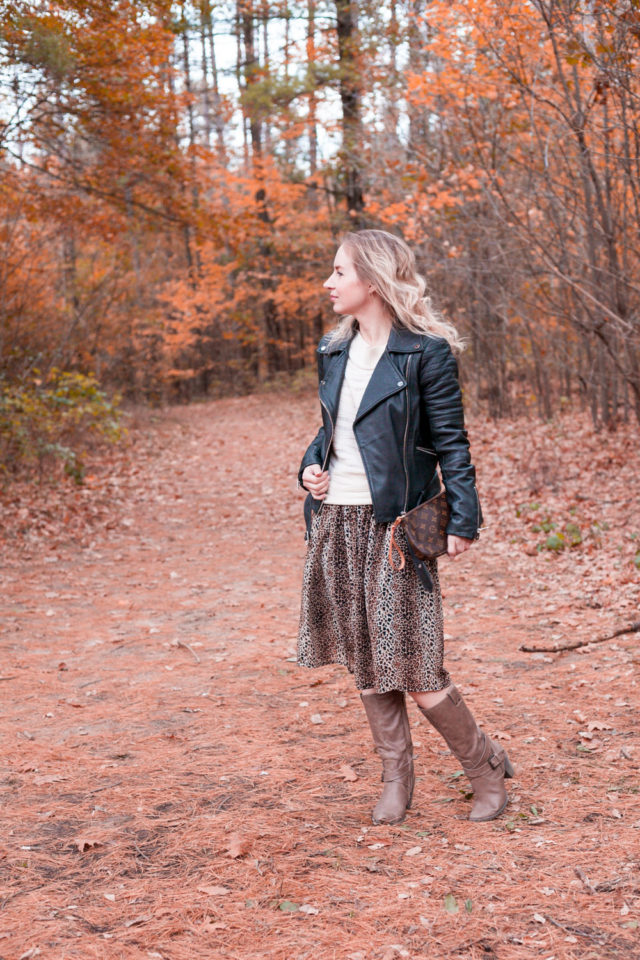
392	410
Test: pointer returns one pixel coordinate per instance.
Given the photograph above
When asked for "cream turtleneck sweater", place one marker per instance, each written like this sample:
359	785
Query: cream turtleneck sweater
347	478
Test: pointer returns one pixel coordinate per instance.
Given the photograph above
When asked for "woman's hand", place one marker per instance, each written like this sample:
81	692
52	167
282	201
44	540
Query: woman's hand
457	545
316	481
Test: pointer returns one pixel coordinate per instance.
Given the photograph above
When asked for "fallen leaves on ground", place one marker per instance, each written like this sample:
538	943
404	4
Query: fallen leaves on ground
158	739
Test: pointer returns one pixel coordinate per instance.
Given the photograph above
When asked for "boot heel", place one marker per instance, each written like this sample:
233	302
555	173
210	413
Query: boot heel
509	772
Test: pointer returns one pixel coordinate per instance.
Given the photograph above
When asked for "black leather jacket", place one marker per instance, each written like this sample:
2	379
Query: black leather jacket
410	419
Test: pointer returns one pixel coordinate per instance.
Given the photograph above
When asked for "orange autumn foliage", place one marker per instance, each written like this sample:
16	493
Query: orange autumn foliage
170	231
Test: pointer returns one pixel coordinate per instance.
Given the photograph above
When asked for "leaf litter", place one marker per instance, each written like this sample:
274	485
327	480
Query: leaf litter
204	799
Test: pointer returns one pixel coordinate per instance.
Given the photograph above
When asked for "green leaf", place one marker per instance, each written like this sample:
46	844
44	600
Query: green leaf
574	534
555	541
636	560
288	907
450	903
468	905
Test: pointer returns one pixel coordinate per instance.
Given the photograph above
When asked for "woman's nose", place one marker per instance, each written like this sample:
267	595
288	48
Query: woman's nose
327	282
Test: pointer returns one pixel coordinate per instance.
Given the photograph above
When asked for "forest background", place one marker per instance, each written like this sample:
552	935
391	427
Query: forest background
174	178
173	181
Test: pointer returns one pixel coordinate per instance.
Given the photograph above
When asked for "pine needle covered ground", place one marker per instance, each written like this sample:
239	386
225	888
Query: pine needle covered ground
175	787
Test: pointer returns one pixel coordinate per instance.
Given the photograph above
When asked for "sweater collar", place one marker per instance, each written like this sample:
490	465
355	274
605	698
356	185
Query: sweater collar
400	340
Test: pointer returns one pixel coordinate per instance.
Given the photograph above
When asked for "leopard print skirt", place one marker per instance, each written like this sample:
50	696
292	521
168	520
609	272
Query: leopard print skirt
380	623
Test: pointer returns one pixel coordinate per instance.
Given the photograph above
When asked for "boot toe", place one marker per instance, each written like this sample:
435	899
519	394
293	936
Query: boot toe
395	801
387	819
482	814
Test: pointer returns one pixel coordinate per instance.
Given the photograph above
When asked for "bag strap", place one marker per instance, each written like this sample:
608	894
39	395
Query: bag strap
394	546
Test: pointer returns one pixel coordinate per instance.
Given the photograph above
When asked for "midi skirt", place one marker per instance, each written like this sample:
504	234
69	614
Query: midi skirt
380	623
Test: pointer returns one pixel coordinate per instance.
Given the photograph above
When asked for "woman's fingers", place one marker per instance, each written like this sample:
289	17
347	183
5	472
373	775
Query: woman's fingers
316	481
321	485
457	545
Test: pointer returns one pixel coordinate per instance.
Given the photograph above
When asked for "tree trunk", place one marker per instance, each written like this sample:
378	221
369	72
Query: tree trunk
250	74
350	98
312	131
417	65
218	118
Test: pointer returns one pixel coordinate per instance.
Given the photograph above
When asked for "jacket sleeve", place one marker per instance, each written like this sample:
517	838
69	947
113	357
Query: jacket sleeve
314	452
441	402
312	455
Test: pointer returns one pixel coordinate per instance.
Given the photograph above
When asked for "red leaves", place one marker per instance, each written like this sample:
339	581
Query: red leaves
87	842
239	845
348	773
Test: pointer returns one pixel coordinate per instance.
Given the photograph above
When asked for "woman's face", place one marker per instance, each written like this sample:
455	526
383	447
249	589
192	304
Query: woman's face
348	292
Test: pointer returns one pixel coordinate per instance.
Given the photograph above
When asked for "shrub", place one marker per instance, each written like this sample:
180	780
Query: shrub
44	423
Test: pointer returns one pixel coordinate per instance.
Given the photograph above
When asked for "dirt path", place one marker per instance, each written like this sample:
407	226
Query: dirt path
175	787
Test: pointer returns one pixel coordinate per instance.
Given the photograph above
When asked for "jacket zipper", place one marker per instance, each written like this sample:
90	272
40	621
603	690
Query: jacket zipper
328	451
406	433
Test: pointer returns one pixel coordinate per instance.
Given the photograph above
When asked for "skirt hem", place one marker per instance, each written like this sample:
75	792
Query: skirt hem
381	688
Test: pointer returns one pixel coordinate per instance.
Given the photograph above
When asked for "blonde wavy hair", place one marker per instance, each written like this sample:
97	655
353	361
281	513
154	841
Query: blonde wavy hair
389	265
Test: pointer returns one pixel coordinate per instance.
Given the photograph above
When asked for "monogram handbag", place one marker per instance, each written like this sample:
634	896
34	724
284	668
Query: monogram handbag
425	528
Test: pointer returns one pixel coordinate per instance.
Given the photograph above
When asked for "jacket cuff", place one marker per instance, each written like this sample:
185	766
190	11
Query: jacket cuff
456	530
307	460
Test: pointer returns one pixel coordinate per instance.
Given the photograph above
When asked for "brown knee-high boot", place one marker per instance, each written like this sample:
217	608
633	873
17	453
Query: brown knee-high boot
389	722
485	763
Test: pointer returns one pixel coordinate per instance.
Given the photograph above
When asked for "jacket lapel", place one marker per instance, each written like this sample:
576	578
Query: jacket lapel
402	340
388	377
386	380
331	385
